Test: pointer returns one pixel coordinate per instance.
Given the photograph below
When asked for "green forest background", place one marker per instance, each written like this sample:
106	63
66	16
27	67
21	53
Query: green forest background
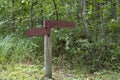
93	44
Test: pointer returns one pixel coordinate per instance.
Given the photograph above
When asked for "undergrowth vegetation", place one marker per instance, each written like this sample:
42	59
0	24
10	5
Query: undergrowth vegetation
14	49
94	55
93	44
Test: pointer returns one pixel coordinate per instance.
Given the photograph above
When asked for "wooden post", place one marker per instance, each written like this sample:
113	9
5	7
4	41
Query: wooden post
48	24
47	55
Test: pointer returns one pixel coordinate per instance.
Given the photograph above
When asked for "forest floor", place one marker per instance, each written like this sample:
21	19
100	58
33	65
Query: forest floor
35	72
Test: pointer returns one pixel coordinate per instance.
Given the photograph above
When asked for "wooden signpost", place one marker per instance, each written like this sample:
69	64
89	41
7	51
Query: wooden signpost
58	24
45	31
38	32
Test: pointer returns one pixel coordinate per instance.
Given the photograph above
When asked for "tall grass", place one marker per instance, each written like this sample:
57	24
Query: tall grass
15	49
5	45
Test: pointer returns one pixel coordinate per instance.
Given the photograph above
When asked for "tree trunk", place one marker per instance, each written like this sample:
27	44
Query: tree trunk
83	5
117	7
77	11
41	14
31	14
56	12
12	17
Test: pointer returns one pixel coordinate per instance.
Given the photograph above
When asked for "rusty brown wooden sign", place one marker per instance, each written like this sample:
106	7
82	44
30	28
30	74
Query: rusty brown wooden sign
38	32
58	24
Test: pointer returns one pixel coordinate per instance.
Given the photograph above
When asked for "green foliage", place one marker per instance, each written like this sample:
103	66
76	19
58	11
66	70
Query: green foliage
114	27
21	72
35	72
101	49
15	49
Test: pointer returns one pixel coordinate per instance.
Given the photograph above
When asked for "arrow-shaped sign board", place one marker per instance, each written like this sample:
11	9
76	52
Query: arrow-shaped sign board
38	32
58	24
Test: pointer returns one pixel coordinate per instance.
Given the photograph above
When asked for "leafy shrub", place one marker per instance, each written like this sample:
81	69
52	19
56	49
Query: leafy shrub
94	54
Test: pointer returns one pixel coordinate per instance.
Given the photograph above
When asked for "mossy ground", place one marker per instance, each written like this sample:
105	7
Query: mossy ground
35	72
